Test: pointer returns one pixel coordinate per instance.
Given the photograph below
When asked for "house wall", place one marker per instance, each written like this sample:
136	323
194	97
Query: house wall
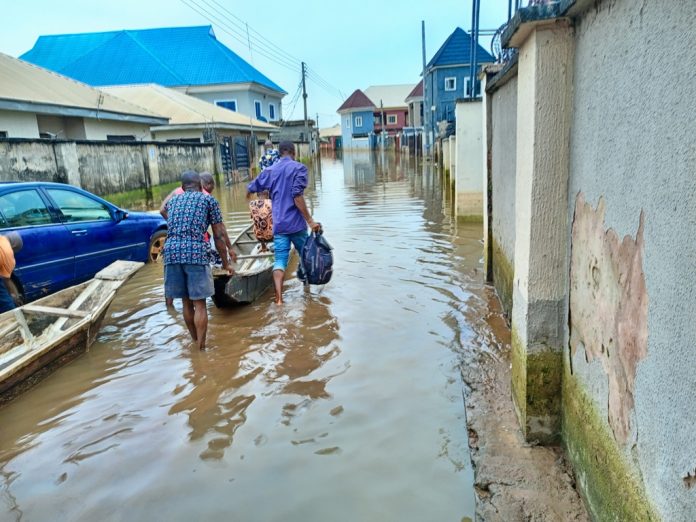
19	124
503	165
100	129
177	135
63	128
245	101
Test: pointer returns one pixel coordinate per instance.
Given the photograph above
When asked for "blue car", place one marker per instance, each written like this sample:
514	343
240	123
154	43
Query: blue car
70	234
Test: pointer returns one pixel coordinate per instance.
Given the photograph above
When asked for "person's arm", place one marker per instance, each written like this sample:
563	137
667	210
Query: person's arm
219	232
260	184
299	183
163	207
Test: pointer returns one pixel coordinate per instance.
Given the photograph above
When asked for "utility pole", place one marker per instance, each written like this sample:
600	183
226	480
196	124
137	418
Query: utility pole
475	12
426	110
384	122
304	96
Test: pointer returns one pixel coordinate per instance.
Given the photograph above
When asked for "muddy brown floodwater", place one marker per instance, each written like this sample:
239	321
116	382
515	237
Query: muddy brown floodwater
343	405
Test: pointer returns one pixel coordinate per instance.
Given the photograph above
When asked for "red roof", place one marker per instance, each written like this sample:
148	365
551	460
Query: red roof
357	100
417	91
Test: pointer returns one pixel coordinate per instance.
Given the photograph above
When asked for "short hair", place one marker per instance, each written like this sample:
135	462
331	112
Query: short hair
206	176
286	146
268	143
190	178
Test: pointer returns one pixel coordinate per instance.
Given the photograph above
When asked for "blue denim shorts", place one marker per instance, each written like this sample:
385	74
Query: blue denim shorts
281	243
194	282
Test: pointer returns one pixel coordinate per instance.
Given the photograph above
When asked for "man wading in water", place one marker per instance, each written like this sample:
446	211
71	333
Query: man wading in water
286	180
187	272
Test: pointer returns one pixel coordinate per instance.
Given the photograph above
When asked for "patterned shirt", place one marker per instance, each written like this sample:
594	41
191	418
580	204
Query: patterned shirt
268	158
189	216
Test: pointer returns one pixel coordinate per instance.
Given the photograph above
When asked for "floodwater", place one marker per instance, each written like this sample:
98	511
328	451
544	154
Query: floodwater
345	404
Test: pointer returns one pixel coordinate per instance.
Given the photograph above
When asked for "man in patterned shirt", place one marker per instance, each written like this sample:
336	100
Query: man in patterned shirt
269	156
187	273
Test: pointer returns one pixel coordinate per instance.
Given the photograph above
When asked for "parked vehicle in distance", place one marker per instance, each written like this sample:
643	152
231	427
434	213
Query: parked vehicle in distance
70	234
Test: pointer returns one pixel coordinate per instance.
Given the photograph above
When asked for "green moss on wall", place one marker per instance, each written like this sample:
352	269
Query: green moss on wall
536	386
503	275
139	199
471	218
611	489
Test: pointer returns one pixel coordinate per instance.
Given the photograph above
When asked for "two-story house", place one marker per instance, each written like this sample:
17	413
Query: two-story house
357	121
188	59
448	76
376	114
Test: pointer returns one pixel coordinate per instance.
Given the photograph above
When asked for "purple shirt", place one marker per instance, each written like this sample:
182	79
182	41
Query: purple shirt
285	180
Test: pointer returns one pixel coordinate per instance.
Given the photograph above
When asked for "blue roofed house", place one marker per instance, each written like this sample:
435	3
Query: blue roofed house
189	59
447	78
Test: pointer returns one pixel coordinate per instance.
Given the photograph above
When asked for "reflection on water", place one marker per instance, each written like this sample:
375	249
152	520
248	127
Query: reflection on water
344	404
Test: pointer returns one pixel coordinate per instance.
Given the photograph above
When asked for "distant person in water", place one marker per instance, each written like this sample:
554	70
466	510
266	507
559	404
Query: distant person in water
269	157
187	272
286	181
207	186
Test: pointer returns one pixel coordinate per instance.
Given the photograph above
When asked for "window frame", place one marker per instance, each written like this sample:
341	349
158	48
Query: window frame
395	118
227	100
258	109
271	111
454	83
53	218
63	215
358	121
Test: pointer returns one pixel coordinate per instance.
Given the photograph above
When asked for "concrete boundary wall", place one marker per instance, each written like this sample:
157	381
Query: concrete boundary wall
600	228
102	167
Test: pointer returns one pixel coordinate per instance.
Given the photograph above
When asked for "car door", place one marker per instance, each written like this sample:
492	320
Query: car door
99	238
46	263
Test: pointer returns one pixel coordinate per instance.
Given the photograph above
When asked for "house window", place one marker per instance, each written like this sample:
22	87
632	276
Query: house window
391	119
451	83
348	122
257	108
120	137
227	104
271	111
378	119
3	134
467	91
358	121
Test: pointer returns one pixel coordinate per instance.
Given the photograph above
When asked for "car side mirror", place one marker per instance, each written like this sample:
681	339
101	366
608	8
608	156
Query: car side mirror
120	215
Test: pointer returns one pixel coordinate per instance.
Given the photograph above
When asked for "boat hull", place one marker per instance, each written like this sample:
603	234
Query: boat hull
241	289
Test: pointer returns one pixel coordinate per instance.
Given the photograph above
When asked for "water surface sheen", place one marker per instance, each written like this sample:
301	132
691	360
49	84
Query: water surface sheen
343	405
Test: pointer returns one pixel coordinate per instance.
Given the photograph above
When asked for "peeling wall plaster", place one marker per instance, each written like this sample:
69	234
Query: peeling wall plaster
609	305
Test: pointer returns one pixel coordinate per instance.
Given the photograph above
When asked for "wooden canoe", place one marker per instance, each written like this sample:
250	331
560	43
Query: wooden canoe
40	336
253	272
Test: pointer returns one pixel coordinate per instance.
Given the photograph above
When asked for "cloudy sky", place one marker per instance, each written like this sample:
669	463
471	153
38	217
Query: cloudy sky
347	45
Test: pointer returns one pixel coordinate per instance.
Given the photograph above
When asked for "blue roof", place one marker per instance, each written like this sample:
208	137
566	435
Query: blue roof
172	56
457	51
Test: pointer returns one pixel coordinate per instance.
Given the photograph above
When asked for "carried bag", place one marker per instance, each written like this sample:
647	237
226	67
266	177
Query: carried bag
262	217
317	259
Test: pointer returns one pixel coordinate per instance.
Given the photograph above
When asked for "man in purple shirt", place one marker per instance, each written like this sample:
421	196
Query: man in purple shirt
285	180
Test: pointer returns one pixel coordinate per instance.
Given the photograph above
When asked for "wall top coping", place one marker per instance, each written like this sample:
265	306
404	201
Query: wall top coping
527	18
41	141
507	73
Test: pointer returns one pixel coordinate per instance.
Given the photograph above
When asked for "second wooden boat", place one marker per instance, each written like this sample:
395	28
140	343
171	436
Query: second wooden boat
40	336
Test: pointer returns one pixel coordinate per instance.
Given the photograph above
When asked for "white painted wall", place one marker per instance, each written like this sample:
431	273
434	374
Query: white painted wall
469	166
19	124
245	101
99	129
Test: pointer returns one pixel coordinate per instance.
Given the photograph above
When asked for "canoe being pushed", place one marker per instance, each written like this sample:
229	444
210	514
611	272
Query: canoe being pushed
253	272
38	337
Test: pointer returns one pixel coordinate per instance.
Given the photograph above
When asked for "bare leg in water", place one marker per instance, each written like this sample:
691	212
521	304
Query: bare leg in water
278	276
196	318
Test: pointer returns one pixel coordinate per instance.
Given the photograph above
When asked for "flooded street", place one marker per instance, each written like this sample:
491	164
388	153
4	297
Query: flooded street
343	405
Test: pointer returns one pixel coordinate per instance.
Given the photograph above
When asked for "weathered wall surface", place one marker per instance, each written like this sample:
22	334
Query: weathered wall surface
503	165
100	129
629	409
100	167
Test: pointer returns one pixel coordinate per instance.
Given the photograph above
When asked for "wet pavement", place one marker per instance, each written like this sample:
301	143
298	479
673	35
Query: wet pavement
343	405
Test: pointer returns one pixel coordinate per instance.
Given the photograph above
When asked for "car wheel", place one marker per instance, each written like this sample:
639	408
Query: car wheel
15	292
156	246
